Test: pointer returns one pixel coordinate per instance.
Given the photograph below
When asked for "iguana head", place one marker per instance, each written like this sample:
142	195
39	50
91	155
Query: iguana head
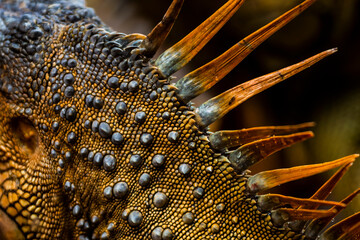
95	143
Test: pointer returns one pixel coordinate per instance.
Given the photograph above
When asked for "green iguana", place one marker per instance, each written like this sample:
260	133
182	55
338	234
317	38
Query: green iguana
95	143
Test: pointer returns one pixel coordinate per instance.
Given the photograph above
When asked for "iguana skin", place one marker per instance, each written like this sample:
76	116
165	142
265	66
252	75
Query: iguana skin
95	144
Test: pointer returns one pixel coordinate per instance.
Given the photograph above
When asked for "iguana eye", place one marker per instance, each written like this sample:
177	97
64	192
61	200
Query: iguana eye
25	134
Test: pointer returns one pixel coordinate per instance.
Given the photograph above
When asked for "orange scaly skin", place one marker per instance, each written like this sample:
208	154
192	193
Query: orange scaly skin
95	142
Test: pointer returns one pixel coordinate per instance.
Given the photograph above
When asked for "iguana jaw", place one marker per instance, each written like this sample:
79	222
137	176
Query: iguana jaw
8	228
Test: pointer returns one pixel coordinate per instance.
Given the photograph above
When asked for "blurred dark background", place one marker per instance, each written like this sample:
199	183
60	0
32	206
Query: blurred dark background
327	93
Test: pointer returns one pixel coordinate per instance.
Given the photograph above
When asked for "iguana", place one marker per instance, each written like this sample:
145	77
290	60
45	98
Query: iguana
95	143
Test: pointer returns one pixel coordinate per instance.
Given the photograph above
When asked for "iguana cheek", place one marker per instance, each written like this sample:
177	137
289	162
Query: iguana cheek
9	229
25	135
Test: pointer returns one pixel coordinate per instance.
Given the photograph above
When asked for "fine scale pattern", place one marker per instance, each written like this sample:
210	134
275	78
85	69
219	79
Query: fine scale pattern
95	143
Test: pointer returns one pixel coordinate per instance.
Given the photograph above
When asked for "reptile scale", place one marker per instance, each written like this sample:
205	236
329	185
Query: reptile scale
95	143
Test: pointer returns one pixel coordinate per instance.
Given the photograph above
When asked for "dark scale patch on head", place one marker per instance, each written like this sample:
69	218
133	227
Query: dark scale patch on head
53	72
111	227
166	115
125	214
192	145
153	95
63	113
35	33
53	153
56	98
220	207
90	156
68	156
80	223
87	124
86	226
30	49
61	163
124	86
57	145
215	228
67	186
28	111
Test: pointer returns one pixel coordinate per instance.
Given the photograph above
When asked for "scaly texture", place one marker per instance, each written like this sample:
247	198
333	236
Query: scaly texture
96	144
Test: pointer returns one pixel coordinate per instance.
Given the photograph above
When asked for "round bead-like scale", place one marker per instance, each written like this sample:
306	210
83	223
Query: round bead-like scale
146	139
135	218
135	160
156	233
109	163
167	234
133	86
108	192
71	138
144	180
77	211
98	159
184	169
188	218
120	190
199	192
113	82
121	108
160	200
117	138
140	117
158	160
173	136
220	207
105	130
